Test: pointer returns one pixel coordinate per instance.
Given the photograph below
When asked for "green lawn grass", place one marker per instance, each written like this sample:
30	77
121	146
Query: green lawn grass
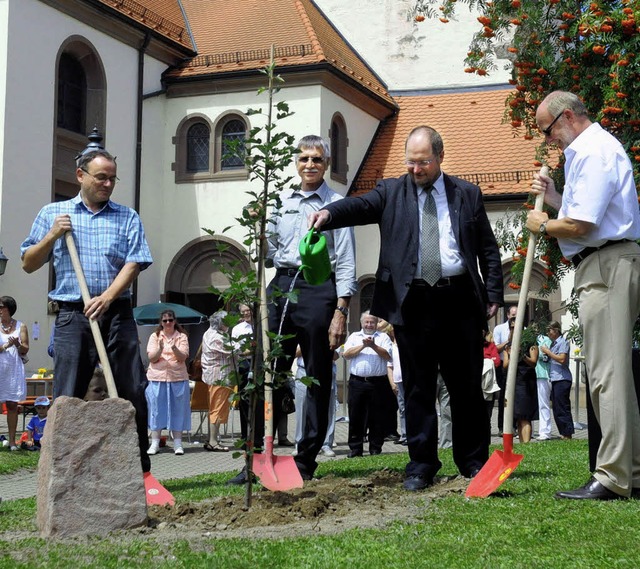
519	526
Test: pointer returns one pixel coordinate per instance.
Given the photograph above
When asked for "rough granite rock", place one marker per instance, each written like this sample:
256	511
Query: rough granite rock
89	475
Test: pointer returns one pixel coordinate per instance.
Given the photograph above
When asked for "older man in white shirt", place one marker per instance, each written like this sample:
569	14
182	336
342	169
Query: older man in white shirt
368	352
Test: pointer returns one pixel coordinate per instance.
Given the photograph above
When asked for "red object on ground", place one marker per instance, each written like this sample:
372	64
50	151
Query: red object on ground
156	493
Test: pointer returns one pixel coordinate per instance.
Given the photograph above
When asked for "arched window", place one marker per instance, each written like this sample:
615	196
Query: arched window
232	136
207	151
339	144
72	94
198	136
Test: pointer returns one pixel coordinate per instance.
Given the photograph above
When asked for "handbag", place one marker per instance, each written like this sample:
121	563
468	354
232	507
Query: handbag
288	402
194	367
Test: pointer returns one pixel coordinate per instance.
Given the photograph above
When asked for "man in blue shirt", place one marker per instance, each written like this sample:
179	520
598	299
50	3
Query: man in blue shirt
113	250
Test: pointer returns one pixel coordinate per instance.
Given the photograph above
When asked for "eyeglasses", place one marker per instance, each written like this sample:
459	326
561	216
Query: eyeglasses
314	159
168	320
419	163
547	131
102	179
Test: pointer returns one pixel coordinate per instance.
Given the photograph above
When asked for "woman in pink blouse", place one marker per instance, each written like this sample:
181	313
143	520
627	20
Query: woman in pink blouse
168	394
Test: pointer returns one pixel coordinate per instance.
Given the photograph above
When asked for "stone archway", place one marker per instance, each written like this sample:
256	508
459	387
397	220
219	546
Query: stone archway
195	269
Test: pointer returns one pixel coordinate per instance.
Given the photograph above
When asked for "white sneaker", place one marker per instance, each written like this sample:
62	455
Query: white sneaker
327	451
153	449
177	449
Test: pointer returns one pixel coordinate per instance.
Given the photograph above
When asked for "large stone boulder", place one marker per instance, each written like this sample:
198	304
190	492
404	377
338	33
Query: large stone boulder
89	476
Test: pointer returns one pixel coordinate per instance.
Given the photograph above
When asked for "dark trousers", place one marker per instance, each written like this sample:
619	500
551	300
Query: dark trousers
389	411
443	328
307	320
244	406
76	357
366	409
561	404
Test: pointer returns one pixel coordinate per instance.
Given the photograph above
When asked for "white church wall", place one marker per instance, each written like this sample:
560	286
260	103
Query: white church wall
407	54
35	32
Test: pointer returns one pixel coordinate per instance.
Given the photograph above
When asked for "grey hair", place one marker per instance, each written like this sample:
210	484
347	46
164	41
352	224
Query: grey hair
559	101
313	141
216	319
367	313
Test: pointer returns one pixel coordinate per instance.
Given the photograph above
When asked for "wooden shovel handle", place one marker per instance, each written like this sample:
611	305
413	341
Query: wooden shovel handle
95	328
514	356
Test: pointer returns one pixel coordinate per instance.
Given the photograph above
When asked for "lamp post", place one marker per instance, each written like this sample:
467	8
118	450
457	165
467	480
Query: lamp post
3	262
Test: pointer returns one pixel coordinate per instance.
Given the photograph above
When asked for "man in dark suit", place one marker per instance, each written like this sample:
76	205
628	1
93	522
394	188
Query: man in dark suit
437	296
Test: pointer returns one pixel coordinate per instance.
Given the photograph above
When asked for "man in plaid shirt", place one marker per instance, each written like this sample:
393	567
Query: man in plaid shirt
113	250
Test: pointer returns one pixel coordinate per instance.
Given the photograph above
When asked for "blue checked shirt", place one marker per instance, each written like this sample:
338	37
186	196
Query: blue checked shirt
106	241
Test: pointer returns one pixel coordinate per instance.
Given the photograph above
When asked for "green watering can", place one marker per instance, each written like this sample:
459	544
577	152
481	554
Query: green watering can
316	266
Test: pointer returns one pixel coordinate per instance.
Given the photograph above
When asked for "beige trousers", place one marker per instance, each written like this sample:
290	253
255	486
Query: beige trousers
608	286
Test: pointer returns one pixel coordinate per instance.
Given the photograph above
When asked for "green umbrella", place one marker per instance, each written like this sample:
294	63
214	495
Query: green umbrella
149	314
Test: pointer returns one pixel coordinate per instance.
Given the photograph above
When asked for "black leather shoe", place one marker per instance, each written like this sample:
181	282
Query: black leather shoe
240	478
354	454
374	452
592	490
416	482
286	443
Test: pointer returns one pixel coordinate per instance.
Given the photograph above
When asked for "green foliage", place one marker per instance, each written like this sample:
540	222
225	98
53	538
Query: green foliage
589	48
267	152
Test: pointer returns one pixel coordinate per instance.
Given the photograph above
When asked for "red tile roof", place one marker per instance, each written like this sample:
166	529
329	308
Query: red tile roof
237	36
478	146
162	16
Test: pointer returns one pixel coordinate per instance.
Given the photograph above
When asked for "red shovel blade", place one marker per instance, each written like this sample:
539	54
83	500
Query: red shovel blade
276	473
156	493
495	471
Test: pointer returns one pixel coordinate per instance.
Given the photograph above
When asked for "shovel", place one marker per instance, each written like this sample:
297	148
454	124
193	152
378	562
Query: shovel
155	493
276	473
502	463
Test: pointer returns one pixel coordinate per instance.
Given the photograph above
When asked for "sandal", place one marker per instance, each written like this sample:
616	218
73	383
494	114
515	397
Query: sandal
217	448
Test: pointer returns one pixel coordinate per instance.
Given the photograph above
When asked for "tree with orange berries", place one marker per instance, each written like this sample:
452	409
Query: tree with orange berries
589	48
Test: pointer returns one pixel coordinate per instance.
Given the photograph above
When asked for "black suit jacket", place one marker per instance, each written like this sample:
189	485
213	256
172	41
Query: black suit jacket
393	205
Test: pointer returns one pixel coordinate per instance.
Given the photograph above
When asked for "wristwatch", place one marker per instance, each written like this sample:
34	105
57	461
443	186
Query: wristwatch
543	229
343	310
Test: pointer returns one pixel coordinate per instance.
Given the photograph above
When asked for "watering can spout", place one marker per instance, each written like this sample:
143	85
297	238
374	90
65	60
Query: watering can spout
316	265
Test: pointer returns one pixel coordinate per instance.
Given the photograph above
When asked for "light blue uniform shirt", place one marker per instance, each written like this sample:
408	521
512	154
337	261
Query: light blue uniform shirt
106	241
557	371
288	226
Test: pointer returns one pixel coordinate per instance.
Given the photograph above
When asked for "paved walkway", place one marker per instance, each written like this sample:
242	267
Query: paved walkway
165	465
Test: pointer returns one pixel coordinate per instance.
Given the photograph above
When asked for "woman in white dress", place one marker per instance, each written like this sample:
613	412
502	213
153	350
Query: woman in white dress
14	345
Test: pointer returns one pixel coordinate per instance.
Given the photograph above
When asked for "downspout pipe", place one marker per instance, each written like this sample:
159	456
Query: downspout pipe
138	160
138	165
